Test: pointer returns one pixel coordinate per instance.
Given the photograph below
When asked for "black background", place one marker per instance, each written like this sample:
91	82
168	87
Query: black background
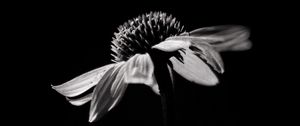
56	42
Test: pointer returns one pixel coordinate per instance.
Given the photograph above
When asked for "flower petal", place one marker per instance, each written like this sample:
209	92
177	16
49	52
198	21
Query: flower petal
194	69
108	92
203	50
155	88
172	45
82	83
225	37
139	69
81	101
207	53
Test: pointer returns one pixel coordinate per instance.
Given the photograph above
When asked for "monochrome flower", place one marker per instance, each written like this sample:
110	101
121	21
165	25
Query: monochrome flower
193	55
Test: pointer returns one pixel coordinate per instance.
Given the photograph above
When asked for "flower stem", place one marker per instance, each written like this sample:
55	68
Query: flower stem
165	84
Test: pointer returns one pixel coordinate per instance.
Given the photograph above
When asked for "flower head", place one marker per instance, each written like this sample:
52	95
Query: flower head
139	34
193	55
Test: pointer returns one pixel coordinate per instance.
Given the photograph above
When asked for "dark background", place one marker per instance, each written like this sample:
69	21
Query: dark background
59	41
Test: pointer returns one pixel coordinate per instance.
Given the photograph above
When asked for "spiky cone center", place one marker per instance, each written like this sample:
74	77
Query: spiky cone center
139	34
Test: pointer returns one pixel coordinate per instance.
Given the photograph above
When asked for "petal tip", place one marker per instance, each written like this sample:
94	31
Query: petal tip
171	45
222	71
212	81
92	118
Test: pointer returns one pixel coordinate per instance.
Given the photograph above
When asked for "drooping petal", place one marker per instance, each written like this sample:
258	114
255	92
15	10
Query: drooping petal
194	69
191	65
242	46
224	37
155	88
118	87
207	53
139	69
108	92
203	50
82	83
81	101
172	45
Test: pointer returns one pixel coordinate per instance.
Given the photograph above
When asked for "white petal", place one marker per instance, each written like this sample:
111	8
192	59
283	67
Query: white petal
172	45
139	69
211	57
242	46
194	69
119	82
225	37
108	92
81	101
155	89
82	83
204	50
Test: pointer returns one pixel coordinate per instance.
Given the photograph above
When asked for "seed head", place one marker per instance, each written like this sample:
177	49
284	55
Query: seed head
139	34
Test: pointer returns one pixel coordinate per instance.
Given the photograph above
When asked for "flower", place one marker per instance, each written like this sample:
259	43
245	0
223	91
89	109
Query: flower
193	55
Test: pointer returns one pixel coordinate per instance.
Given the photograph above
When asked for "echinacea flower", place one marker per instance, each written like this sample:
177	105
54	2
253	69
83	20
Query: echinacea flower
193	55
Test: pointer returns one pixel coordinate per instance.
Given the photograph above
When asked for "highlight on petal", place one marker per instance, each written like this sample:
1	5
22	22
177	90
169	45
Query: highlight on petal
194	69
172	45
108	92
82	83
224	37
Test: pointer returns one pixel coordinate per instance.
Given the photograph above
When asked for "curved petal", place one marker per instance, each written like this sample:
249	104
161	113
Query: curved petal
139	69
225	37
155	88
108	92
207	53
172	45
81	101
194	69
203	50
82	83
